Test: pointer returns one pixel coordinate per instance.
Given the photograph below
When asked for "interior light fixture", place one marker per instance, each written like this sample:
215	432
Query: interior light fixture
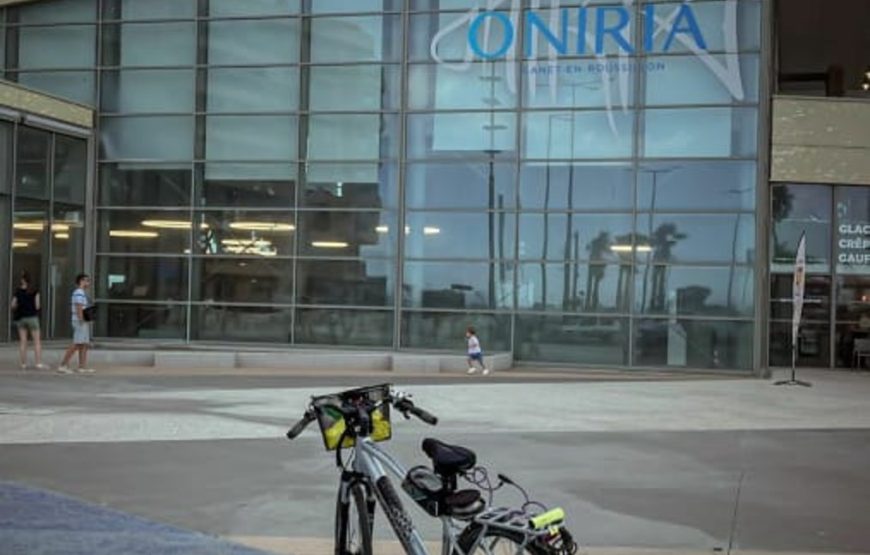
60	227
61	235
20	244
172	224
329	244
382	229
629	248
262	226
246	242
431	230
132	234
29	226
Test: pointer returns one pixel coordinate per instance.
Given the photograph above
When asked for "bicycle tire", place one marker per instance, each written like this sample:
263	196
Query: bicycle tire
394	511
505	542
348	539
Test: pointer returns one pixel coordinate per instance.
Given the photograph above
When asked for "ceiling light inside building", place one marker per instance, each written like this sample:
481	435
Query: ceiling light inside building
171	224
132	234
20	244
262	226
430	230
61	235
329	244
382	229
629	248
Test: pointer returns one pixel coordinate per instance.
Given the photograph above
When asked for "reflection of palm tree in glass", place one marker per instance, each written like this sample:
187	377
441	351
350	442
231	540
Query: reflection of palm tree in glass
626	261
597	248
782	203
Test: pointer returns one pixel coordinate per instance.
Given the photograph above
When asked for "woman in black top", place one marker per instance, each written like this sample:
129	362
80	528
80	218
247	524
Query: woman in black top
25	315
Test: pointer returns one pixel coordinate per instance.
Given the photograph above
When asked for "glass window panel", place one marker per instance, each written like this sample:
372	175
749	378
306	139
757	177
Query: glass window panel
148	91
719	185
143	185
351	234
147	138
248	185
245	233
69	46
817	297
695	291
141	321
446	330
693	344
460	235
451	30
144	231
343	6
231	8
254	324
465	185
33	162
846	347
453	135
691	80
375	87
459	285
376	38
346	282
701	132
584	83
745	34
364	328
481	86
261	279
142	278
567	186
252	89
574	286
58	11
70	169
712	238
7	140
352	137
549	135
258	42
244	138
853	301
814	345
150	44
598	237
149	9
798	209
572	339
853	230
362	185
77	86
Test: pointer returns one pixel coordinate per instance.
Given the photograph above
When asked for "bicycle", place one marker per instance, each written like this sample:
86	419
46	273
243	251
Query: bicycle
358	419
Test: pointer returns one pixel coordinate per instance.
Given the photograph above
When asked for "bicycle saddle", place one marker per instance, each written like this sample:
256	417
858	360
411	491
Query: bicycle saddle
448	459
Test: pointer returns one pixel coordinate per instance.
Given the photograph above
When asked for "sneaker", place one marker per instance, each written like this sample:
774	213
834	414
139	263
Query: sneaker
485	371
471	370
64	370
41	366
23	367
86	370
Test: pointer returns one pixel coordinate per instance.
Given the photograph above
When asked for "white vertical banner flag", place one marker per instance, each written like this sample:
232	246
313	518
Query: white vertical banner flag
798	287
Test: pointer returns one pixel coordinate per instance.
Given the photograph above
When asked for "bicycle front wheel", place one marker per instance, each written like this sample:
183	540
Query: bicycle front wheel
495	541
353	527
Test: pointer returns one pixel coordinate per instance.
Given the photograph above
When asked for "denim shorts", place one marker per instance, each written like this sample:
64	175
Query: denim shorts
81	332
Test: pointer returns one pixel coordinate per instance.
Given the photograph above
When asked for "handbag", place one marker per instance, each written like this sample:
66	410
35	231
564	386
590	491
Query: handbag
89	313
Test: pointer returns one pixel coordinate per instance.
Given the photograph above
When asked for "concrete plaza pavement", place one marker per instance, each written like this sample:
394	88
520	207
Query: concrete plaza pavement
652	465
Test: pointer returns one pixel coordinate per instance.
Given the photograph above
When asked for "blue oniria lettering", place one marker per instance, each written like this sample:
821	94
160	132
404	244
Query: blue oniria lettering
611	25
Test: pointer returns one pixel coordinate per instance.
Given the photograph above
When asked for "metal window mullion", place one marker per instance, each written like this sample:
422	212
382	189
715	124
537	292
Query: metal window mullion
12	199
636	154
401	216
763	205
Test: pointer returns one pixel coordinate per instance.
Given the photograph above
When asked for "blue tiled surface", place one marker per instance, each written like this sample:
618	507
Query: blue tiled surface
39	522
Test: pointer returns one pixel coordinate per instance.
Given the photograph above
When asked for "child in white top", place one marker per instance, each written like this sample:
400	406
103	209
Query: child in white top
475	353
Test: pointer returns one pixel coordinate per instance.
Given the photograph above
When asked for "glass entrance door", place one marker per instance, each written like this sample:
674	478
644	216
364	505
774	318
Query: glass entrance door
48	220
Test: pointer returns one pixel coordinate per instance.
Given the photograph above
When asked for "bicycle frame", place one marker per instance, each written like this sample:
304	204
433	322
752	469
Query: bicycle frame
371	462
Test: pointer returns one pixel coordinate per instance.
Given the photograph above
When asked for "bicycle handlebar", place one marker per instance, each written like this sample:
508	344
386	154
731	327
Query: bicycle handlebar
405	406
307	419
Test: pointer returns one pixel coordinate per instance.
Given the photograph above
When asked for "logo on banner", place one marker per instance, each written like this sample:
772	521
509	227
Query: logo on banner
606	33
798	287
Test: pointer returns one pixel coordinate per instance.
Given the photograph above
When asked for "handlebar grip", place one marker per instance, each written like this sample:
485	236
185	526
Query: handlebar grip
426	417
301	425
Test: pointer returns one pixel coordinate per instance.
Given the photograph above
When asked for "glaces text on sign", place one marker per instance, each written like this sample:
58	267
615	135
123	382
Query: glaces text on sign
854	244
606	23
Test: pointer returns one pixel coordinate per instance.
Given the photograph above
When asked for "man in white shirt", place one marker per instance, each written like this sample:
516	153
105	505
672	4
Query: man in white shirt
81	328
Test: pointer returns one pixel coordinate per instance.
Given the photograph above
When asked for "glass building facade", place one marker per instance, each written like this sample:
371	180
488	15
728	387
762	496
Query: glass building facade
578	180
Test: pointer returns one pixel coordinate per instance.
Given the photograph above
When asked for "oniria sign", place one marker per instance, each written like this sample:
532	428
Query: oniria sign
604	23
